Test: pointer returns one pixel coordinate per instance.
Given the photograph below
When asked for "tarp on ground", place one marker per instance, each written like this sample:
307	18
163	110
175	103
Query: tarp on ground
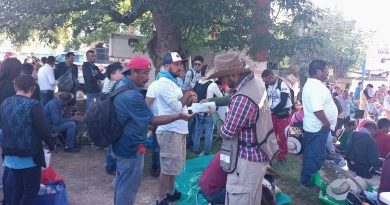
187	183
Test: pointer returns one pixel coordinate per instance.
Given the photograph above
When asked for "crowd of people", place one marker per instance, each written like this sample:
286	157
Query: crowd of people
337	124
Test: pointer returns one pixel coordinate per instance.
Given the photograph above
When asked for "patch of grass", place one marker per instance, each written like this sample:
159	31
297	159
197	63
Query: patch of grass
289	181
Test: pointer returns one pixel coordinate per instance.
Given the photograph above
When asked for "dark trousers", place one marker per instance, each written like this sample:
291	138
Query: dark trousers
27	185
155	153
191	131
110	161
342	122
216	198
46	96
8	186
314	154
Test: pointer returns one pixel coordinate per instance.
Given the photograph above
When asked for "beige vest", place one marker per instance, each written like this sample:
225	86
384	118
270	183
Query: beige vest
255	90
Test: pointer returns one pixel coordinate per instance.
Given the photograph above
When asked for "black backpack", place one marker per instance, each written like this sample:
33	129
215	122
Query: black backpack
201	89
101	121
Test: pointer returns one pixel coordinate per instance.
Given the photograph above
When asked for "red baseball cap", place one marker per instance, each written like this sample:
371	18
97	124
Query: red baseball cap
138	63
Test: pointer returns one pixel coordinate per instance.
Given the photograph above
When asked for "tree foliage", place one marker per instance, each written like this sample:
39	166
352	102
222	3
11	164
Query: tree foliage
336	40
182	25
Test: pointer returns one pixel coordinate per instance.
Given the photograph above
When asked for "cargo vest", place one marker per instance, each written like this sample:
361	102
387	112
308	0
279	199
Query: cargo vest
254	89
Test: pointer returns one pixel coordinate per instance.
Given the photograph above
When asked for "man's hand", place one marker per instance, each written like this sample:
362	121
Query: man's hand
186	116
204	101
211	110
188	98
326	125
78	118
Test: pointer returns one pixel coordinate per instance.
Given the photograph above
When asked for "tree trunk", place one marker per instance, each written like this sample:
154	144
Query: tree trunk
166	37
261	17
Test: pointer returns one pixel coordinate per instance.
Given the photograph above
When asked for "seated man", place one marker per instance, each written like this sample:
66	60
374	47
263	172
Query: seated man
385	179
346	134
213	181
58	121
362	152
382	137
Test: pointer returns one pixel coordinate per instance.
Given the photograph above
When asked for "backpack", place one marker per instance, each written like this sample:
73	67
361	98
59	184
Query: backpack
65	82
101	121
201	89
279	86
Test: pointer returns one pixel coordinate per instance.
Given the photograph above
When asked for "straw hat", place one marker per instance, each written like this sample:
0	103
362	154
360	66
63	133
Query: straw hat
361	183
294	145
227	63
340	188
291	79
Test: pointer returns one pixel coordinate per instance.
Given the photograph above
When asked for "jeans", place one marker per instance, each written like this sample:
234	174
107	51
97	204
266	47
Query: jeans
203	123
128	179
314	154
330	147
90	98
46	96
70	127
155	153
27	185
216	198
110	161
8	186
191	131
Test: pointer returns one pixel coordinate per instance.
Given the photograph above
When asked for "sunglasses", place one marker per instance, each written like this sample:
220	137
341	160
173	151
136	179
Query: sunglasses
197	64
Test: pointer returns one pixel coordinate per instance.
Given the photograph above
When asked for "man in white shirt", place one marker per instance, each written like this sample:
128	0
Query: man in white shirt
205	89
280	100
171	137
46	80
320	118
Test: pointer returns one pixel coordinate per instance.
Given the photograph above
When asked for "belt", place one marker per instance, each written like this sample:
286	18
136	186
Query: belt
249	144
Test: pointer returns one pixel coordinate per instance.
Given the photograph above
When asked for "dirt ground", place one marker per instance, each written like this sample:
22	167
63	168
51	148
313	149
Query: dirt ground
87	182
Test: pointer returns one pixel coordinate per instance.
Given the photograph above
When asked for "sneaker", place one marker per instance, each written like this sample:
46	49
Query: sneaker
174	197
72	150
162	202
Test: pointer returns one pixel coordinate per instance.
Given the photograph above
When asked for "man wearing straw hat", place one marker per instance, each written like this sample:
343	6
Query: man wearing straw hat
248	117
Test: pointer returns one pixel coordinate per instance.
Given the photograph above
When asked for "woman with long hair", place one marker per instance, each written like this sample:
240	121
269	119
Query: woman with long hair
24	128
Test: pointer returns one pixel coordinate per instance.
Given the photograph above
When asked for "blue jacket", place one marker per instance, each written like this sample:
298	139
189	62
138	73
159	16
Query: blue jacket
131	110
55	115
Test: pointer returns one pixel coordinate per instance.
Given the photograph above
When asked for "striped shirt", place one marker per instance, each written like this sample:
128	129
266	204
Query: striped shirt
242	114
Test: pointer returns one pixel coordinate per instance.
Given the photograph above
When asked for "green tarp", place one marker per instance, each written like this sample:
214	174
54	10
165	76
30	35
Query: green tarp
187	182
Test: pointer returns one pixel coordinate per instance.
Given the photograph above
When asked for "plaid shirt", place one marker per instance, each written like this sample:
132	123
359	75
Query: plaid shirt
242	114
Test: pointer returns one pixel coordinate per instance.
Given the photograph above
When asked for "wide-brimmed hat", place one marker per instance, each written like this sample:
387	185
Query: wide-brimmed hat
294	145
339	188
227	63
292	79
361	183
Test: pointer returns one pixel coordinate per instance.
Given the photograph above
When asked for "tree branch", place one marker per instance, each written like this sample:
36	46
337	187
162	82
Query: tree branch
139	7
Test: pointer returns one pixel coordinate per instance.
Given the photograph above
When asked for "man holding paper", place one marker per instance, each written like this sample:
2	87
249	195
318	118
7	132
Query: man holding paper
205	89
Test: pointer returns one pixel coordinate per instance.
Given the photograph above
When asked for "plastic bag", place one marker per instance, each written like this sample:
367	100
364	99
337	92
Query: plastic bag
52	194
50	175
